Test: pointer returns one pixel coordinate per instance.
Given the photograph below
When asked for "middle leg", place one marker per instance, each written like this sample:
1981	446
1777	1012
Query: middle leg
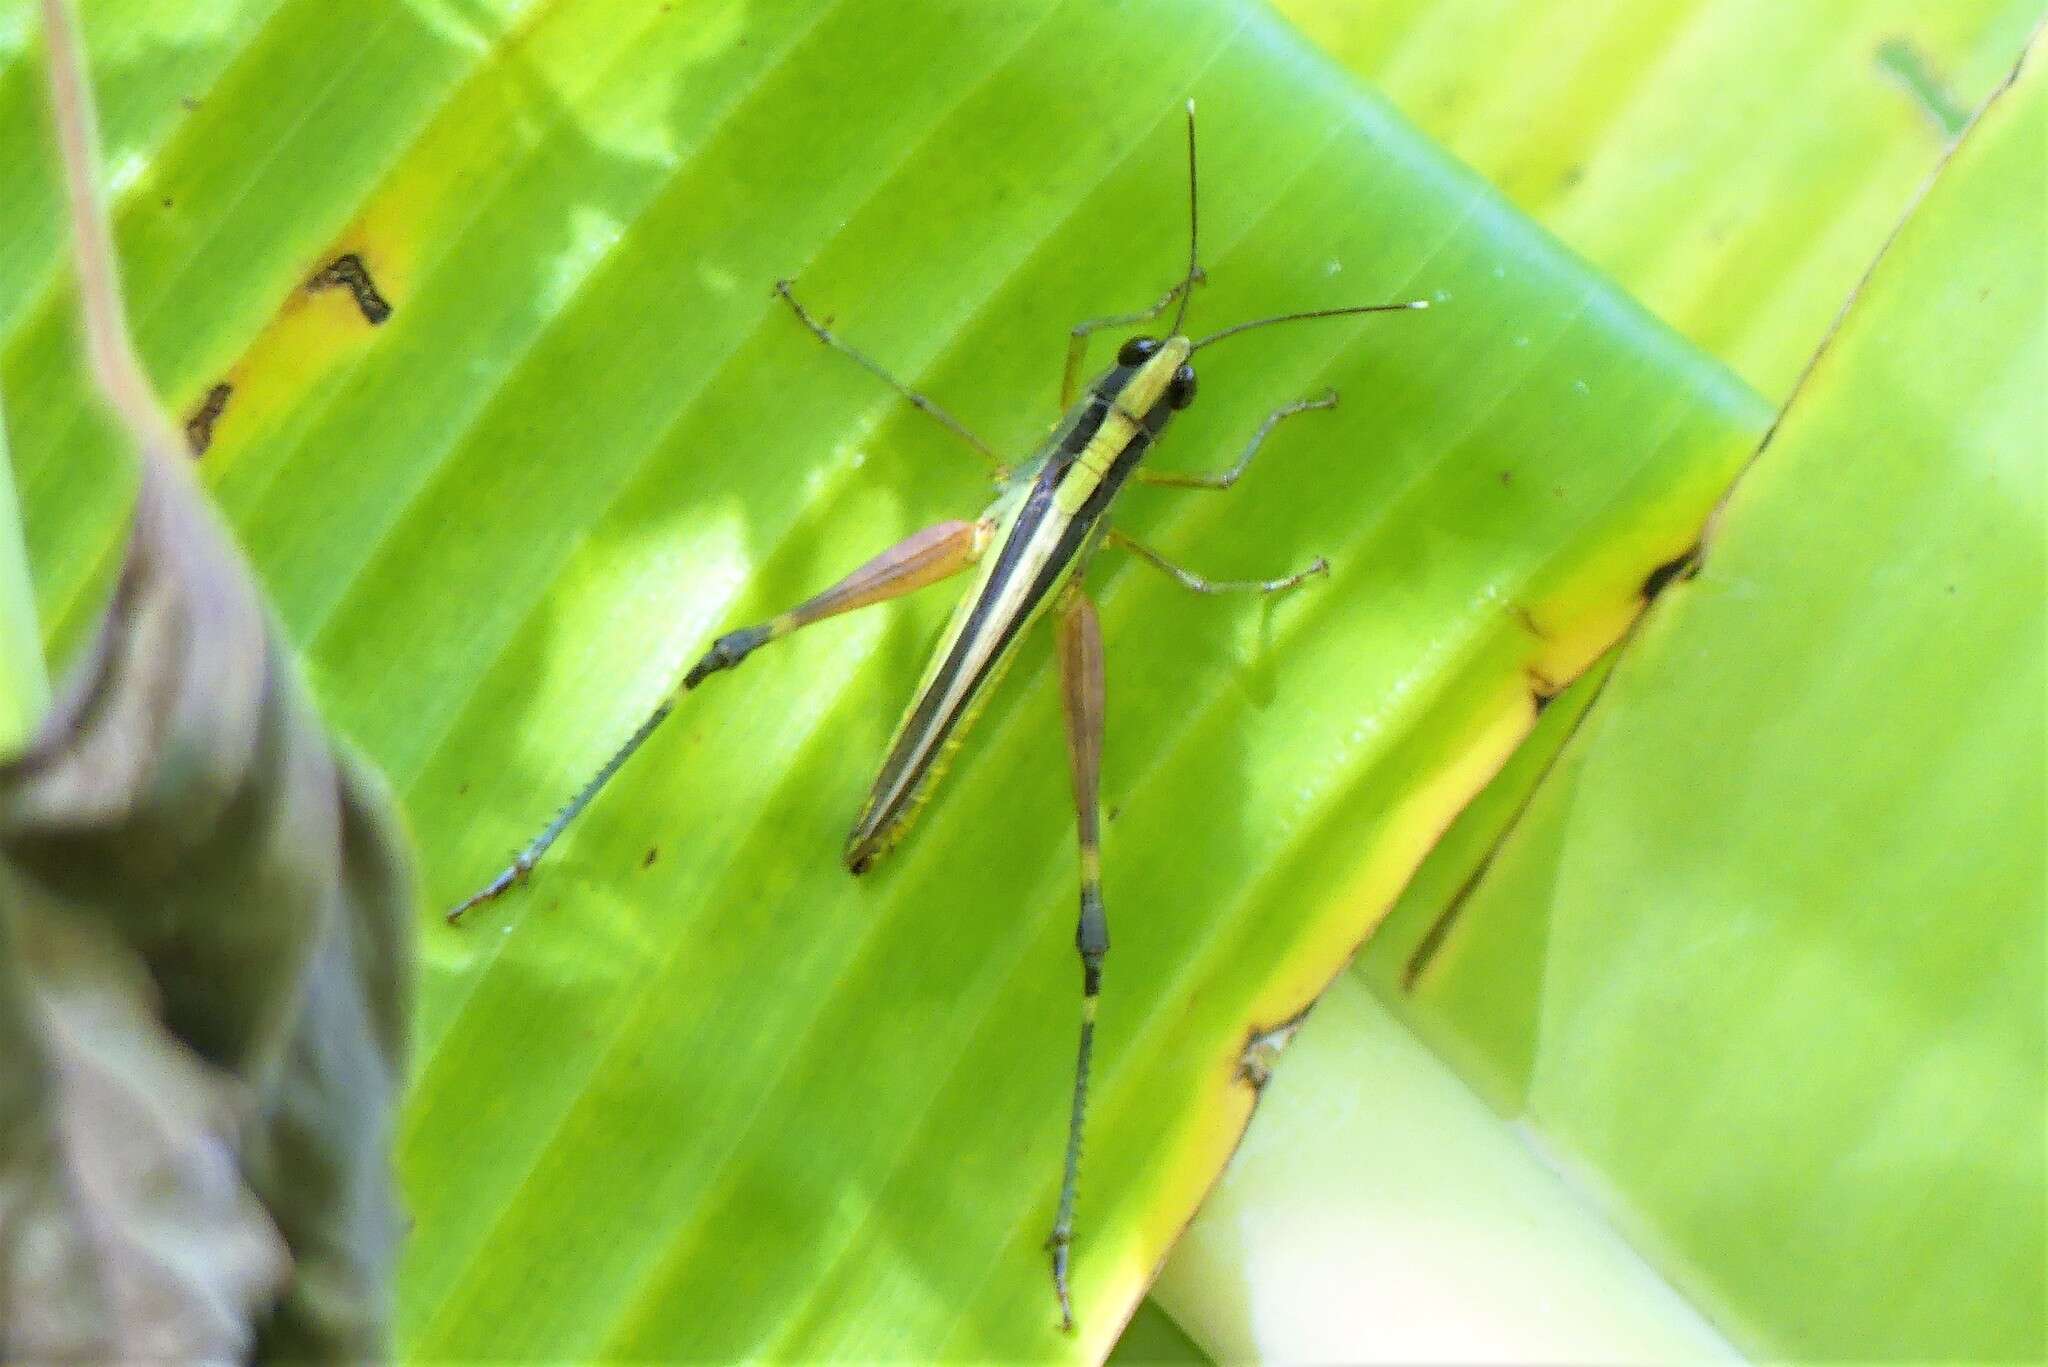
1195	583
1223	479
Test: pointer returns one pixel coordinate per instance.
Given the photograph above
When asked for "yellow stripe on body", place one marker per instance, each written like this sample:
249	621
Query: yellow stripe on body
1092	464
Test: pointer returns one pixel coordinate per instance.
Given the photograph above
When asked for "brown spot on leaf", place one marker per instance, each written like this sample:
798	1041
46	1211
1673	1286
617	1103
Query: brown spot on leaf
1263	1047
199	426
1684	565
348	272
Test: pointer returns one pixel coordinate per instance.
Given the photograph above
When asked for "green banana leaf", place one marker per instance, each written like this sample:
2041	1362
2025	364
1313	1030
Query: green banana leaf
692	1089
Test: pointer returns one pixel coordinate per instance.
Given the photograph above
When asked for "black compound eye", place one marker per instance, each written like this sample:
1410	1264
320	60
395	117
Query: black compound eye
1181	392
1136	350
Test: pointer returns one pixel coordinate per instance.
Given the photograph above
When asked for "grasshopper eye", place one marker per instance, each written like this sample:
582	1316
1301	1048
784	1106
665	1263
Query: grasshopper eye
1136	350
1180	392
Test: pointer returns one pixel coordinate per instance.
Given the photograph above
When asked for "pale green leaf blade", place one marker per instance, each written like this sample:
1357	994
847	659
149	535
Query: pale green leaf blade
1735	165
1399	1221
1785	896
1152	1337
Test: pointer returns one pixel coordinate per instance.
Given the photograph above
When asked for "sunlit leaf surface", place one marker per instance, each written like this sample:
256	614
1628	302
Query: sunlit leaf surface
694	1090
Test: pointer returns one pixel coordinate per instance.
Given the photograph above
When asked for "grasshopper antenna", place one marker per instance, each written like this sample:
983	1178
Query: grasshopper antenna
1236	328
1194	260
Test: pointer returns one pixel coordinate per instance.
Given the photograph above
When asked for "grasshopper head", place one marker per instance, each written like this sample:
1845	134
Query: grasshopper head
1162	371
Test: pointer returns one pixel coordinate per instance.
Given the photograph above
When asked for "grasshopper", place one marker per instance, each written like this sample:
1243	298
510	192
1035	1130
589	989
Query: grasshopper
1031	549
